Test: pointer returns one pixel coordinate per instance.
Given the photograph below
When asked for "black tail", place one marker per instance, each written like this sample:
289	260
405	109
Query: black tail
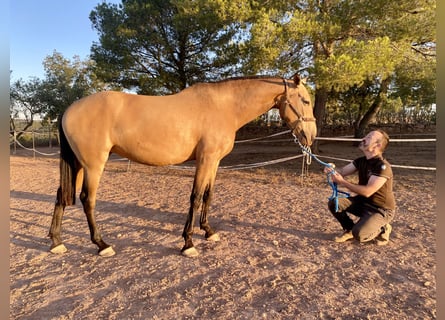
69	167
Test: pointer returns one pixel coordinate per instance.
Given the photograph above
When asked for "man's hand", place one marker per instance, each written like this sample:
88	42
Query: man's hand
337	178
330	168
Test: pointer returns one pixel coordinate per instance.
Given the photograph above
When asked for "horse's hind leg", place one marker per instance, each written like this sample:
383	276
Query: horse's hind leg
56	225
88	198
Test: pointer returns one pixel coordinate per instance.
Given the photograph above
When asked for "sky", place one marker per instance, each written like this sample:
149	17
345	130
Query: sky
40	27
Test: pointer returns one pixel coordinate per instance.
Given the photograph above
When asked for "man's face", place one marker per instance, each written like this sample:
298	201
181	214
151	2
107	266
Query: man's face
370	141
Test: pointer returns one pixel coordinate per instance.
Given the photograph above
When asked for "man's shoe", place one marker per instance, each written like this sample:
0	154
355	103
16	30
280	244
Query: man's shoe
345	236
383	238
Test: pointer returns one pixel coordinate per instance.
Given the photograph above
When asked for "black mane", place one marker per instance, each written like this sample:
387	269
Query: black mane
248	78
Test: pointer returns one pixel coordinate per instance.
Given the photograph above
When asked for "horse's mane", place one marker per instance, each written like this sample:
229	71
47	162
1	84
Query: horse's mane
248	78
296	80
199	84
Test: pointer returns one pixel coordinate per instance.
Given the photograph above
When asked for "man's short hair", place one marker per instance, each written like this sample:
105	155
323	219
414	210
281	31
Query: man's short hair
384	140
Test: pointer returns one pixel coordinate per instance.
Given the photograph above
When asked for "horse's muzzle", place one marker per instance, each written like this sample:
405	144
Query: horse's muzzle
303	138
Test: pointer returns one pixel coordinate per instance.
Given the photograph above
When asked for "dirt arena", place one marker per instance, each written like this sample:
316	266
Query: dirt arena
275	260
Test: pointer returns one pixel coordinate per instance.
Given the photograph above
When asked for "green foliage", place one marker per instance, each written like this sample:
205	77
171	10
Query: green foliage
65	82
355	61
159	47
25	103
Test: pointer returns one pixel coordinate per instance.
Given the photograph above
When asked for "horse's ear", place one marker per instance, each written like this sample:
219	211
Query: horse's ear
297	79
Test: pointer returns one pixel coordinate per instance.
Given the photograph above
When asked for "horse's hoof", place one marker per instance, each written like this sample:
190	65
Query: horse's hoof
214	237
59	249
107	252
190	252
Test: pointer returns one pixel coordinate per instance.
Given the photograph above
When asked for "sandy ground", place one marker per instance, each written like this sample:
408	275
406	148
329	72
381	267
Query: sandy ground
275	260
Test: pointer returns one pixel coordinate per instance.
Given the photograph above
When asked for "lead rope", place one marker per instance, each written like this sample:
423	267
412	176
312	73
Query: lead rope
307	156
307	160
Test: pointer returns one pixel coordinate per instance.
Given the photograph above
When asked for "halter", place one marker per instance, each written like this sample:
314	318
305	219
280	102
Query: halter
295	110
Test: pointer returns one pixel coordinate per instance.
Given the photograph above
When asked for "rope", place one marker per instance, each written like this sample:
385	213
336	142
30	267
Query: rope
260	138
335	192
392	139
35	150
244	166
345	138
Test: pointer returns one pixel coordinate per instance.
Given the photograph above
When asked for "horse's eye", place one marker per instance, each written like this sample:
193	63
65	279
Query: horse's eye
304	100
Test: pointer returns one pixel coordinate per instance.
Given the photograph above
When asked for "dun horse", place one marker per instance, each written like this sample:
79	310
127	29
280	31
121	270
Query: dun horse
199	123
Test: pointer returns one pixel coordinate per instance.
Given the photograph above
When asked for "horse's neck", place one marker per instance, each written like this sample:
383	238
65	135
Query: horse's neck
254	100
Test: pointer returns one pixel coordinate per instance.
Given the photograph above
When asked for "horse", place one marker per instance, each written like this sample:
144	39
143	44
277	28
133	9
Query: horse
198	123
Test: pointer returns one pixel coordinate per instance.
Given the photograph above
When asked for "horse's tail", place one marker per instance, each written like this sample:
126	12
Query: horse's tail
69	167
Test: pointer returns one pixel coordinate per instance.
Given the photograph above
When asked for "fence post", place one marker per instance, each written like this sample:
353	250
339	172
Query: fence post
15	142
33	145
49	136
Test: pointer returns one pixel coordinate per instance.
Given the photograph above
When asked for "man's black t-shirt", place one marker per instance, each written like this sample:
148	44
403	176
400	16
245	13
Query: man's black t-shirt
384	197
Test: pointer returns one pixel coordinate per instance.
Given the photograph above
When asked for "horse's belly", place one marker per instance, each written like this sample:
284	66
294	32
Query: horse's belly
157	154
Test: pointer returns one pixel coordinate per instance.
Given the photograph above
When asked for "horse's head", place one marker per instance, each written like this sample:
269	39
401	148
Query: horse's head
296	110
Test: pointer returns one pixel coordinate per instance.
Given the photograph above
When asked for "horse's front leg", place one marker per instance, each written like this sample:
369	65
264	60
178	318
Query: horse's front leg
200	197
210	234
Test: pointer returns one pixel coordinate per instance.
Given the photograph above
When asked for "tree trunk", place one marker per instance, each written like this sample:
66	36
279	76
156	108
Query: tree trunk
321	98
371	113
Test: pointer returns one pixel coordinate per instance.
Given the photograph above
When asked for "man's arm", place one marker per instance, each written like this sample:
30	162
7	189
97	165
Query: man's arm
374	184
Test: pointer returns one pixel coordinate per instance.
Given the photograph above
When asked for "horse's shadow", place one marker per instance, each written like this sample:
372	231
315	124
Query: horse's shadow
161	224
